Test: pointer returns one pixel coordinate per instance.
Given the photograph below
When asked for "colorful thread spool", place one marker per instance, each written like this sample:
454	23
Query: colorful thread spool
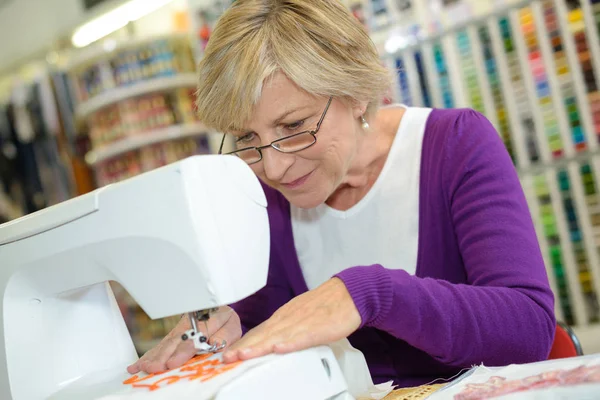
592	200
495	84
423	83
519	90
564	76
403	82
536	63
576	23
577	240
555	250
470	73
443	74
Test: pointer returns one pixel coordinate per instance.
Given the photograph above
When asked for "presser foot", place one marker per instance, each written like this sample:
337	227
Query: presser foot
201	342
199	339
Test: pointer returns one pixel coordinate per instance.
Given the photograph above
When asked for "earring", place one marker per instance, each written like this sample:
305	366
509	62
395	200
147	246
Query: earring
365	124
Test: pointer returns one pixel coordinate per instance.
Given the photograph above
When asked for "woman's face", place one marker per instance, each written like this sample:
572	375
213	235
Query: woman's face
306	178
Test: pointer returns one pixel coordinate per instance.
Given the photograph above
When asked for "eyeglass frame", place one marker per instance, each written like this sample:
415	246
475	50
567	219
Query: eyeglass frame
259	149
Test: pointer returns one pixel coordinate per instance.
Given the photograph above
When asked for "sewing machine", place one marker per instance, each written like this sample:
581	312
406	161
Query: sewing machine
191	236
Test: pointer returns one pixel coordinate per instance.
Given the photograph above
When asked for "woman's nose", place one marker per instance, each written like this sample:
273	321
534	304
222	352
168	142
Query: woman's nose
276	163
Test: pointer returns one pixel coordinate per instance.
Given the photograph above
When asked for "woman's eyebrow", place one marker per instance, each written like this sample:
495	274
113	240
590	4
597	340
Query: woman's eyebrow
285	114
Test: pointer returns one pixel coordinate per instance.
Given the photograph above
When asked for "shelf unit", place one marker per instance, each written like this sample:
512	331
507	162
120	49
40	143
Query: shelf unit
174	132
160	84
533	69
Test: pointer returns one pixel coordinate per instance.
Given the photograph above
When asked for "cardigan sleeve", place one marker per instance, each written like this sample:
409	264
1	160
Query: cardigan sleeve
504	312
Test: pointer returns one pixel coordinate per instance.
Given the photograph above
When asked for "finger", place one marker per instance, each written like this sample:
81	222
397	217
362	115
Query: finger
233	353
229	333
256	351
134	368
257	334
261	339
138	365
168	354
251	339
154	361
258	345
217	320
185	351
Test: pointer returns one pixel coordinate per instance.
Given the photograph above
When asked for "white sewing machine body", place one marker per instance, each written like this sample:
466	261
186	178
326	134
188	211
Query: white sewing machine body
189	236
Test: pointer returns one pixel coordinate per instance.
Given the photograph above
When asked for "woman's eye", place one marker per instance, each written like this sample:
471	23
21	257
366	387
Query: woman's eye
295	125
246	138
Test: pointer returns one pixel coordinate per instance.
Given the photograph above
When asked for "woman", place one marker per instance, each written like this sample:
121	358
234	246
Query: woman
403	229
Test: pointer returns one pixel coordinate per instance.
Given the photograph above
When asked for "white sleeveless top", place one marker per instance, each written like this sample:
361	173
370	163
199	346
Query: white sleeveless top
382	228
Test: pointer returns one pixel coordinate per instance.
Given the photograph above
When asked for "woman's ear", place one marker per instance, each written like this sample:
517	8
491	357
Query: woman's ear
359	108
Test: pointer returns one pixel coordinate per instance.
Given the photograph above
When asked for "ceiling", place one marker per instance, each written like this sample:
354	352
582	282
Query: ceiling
31	28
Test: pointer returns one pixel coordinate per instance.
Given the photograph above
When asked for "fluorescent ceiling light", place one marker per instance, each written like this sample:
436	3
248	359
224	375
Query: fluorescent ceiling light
114	20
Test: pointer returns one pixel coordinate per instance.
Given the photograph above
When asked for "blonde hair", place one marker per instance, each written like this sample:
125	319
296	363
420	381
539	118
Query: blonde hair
318	44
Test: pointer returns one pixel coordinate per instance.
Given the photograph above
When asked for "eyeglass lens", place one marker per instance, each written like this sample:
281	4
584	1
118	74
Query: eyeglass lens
290	144
296	142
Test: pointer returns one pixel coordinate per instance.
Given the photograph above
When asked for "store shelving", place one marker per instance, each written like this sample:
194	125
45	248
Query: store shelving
538	122
497	81
543	70
590	12
550	238
443	76
520	86
432	77
468	67
416	81
566	181
404	90
153	85
575	23
173	132
564	75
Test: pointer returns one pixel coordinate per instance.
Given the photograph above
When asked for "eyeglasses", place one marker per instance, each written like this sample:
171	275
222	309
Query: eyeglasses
289	144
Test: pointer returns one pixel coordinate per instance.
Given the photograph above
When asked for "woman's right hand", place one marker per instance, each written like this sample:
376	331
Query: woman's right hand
172	352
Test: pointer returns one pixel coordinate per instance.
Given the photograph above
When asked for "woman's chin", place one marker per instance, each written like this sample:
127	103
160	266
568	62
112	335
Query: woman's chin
305	200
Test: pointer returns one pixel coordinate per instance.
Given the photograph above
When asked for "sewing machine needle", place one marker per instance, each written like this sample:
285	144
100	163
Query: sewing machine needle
192	318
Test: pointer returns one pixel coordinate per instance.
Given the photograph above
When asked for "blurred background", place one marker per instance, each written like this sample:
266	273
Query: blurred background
95	91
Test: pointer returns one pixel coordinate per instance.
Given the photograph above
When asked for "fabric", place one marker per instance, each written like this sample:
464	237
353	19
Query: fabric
8	151
327	240
23	122
49	109
480	293
26	167
54	176
568	378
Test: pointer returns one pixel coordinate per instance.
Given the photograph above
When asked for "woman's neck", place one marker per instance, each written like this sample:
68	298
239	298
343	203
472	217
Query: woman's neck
370	159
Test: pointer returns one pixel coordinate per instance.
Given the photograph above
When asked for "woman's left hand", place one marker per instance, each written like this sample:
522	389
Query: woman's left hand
317	317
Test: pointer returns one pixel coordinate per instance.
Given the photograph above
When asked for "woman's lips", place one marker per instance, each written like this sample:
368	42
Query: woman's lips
298	182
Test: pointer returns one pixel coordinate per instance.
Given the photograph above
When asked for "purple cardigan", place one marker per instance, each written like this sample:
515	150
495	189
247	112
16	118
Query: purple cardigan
480	293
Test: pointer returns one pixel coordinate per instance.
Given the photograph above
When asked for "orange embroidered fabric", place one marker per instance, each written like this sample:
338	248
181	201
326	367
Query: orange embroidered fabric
200	368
